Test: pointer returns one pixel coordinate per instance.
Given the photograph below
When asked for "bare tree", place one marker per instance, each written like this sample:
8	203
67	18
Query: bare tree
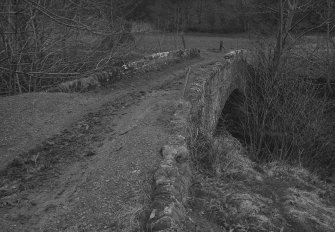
44	42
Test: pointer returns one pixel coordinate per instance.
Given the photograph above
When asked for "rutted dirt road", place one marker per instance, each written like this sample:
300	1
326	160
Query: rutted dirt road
96	174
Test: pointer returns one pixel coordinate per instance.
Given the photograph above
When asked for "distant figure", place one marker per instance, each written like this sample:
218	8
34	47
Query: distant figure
221	46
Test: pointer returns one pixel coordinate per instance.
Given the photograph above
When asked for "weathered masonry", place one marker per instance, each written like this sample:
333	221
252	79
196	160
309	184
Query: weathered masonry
208	90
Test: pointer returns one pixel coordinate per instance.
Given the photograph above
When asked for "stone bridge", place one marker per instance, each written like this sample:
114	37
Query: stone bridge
207	89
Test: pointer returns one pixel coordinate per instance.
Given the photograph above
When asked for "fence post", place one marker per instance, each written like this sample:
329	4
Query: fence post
183	40
221	46
186	80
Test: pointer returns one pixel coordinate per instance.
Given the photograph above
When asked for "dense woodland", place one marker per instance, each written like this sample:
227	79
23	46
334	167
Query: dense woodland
43	42
225	15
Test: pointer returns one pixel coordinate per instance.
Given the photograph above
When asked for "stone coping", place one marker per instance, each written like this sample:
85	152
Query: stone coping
146	64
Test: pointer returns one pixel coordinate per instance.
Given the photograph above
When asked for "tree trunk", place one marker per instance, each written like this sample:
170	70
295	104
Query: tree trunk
12	43
283	32
199	11
328	40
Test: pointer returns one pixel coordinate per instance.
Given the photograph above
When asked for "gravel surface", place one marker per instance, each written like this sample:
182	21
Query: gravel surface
89	157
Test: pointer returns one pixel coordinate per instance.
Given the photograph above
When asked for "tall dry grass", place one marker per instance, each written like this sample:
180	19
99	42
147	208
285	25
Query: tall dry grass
285	117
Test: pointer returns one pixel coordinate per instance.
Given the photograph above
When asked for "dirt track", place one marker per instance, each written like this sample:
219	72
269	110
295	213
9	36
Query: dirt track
95	175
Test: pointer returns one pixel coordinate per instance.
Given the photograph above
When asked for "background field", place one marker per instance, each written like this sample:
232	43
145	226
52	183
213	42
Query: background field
149	43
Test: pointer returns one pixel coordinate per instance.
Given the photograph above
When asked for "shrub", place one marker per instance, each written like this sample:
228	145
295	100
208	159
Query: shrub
282	118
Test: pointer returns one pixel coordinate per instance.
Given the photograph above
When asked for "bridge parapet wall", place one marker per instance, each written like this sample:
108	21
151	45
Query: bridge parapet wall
209	90
210	86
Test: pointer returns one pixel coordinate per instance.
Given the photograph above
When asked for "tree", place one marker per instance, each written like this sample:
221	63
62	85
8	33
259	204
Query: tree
44	41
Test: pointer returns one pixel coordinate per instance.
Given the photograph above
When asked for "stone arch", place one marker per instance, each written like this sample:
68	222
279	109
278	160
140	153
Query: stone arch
231	115
213	86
